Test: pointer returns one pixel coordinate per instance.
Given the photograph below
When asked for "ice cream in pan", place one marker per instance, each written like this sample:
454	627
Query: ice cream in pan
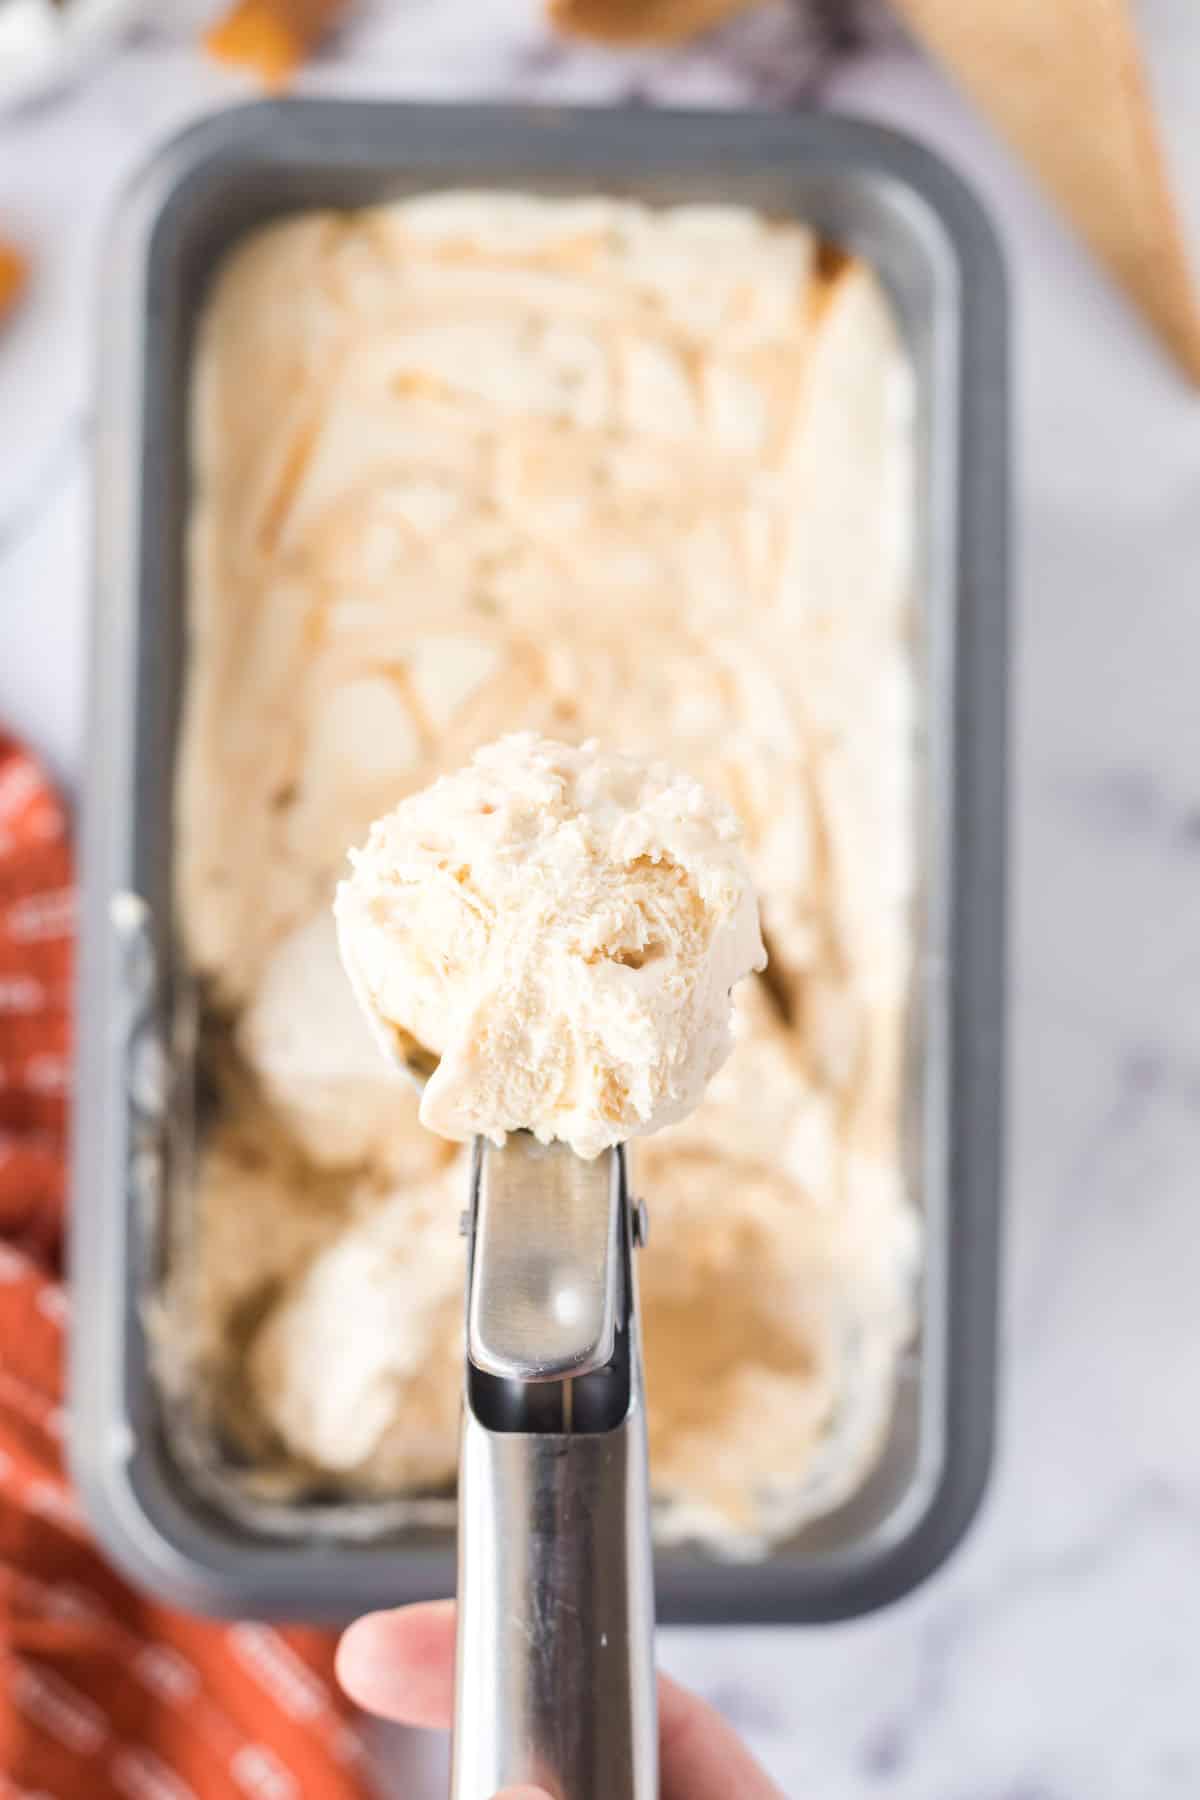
606	471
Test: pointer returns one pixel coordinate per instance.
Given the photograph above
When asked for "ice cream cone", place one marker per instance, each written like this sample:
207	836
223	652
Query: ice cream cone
1064	83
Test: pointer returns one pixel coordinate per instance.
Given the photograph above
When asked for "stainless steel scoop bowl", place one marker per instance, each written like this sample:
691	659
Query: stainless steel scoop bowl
554	1679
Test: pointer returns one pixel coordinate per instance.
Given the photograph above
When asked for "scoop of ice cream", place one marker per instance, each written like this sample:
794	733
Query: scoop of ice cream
562	928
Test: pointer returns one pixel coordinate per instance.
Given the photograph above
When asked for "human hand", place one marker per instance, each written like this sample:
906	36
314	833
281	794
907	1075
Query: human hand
401	1666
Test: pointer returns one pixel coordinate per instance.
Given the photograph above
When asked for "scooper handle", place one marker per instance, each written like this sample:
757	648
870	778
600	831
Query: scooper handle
555	1684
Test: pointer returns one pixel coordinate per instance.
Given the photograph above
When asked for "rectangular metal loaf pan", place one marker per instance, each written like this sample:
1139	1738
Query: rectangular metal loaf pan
858	185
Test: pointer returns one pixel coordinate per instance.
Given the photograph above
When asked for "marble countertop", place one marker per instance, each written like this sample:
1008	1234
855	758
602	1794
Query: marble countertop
1054	1659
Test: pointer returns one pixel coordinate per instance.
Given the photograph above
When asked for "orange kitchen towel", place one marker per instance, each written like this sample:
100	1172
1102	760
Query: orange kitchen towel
104	1695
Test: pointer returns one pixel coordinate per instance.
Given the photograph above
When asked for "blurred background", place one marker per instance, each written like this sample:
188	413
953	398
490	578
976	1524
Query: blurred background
1055	1657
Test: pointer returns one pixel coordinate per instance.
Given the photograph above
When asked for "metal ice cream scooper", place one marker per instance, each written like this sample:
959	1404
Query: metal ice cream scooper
554	1681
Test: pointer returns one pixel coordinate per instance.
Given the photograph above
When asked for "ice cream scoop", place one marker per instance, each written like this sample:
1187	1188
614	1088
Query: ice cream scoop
550	937
547	942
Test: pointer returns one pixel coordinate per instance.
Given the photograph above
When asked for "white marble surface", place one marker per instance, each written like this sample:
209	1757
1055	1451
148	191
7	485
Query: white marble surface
1055	1659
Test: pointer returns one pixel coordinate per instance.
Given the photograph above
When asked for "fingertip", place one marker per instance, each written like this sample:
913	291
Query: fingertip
355	1651
401	1664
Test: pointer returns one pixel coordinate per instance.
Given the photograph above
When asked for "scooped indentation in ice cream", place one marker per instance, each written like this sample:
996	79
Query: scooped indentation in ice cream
562	927
358	1369
311	1049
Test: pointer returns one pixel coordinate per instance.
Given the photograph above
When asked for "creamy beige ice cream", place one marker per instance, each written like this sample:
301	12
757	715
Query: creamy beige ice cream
358	1367
314	1053
563	928
772	1266
470	464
